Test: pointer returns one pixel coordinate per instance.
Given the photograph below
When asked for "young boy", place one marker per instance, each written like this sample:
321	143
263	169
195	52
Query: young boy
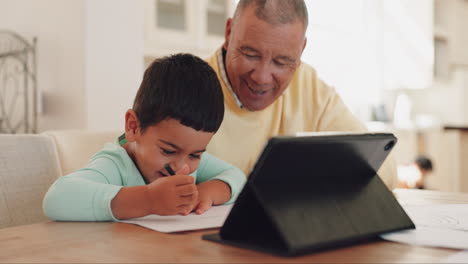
176	112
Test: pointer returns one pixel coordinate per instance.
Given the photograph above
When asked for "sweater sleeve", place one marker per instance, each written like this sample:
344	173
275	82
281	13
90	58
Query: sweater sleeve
84	195
212	168
337	117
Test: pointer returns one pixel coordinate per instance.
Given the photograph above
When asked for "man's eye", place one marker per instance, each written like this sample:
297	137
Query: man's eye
251	55
281	64
168	152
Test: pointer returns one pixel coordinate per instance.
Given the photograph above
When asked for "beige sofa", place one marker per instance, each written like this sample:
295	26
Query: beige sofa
29	164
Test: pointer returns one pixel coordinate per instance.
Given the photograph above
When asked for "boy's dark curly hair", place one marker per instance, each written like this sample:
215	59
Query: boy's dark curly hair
183	87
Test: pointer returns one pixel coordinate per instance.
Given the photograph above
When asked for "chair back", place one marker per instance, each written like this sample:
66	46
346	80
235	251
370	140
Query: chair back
28	166
76	147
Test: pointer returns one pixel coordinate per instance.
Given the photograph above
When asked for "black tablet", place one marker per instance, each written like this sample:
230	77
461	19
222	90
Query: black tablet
314	192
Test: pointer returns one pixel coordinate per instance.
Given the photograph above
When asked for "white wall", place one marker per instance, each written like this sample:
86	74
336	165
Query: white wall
445	101
408	44
362	47
114	60
446	98
60	56
339	49
90	58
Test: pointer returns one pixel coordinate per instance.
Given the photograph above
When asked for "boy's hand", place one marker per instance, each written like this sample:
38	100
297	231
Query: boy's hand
174	194
205	200
214	192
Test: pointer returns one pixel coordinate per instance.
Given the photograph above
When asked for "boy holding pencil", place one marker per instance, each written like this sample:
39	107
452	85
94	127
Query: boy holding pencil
177	110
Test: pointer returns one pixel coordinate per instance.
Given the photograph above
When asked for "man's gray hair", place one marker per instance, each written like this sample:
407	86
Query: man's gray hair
277	11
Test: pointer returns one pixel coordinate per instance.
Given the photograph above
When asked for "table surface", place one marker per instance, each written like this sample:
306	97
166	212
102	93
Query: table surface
119	242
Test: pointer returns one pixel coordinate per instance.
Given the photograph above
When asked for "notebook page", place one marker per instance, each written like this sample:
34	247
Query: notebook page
212	218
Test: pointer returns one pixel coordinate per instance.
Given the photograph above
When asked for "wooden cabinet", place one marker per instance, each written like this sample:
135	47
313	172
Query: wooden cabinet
195	26
450	20
446	147
449	150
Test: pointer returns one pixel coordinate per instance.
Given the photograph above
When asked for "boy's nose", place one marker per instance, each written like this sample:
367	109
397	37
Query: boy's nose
181	168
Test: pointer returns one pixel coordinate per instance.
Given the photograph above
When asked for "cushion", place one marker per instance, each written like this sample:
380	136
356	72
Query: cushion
28	166
76	147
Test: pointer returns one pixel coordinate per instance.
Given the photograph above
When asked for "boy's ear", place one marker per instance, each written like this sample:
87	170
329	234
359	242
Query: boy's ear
132	125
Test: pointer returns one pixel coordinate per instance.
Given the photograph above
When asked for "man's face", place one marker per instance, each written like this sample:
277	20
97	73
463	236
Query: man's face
261	58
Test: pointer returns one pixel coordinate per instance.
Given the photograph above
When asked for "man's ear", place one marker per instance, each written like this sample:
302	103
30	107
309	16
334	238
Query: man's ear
227	33
305	44
132	125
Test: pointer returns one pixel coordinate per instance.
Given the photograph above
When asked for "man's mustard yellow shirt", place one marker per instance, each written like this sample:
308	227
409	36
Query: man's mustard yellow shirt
308	104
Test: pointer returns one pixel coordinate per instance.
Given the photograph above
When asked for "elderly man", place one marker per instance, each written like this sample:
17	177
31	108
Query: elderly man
268	90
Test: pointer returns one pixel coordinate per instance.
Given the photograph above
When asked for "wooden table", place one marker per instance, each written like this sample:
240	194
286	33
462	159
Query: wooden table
118	242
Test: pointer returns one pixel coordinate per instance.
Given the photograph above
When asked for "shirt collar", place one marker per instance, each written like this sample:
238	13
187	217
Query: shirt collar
220	58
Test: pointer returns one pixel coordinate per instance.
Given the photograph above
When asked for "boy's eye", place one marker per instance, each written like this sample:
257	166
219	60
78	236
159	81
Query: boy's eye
168	152
195	156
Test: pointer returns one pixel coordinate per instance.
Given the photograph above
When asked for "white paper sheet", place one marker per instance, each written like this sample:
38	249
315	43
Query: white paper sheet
450	216
436	225
460	257
212	218
430	237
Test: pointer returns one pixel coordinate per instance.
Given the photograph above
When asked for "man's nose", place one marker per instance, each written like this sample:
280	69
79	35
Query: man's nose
262	74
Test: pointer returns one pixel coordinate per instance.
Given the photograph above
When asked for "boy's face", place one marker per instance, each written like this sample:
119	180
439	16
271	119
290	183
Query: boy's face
166	142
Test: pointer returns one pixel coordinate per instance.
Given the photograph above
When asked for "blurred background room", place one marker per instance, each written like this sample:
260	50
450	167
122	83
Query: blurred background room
400	65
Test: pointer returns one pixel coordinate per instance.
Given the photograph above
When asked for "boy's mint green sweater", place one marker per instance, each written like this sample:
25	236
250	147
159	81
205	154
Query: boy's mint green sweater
86	195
